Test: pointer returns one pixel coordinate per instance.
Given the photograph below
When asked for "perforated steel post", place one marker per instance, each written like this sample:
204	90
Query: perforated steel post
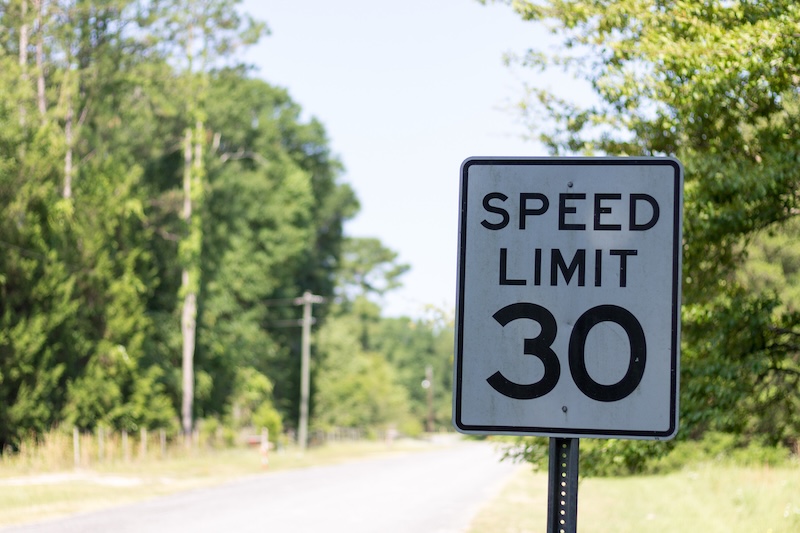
562	497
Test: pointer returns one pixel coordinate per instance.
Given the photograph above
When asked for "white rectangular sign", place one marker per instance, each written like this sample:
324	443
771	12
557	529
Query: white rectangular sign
568	298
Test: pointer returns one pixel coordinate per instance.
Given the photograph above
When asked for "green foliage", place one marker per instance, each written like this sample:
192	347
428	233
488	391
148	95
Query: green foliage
149	405
90	281
725	448
612	457
739	378
273	198
99	257
39	344
532	450
420	350
373	368
356	387
772	266
598	457
251	403
715	84
367	267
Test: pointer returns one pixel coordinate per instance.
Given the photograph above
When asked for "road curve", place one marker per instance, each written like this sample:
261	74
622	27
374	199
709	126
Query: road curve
435	491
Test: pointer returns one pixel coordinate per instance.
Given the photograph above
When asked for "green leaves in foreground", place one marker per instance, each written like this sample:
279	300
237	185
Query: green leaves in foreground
714	84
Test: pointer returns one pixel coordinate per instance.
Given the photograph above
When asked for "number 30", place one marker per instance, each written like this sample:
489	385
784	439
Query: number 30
540	347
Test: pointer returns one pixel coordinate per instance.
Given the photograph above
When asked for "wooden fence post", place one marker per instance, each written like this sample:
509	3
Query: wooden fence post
76	446
143	444
126	453
100	444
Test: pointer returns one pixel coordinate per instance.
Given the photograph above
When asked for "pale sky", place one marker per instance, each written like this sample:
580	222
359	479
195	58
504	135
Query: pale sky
406	91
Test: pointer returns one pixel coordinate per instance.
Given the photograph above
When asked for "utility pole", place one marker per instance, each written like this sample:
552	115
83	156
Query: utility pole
305	381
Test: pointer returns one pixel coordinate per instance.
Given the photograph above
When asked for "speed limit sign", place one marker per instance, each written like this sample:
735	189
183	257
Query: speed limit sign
568	297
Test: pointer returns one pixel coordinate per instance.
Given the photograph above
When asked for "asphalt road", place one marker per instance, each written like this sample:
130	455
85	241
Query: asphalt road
423	492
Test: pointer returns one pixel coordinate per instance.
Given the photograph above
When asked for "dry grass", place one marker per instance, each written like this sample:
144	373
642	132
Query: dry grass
34	492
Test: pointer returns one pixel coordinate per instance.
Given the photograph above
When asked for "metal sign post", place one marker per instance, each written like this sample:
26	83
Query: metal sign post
562	491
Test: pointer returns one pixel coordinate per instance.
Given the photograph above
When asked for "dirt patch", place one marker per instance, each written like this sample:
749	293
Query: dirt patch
72	477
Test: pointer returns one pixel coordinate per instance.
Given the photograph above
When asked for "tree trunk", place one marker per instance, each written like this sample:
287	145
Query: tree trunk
188	325
40	87
68	141
23	58
189	313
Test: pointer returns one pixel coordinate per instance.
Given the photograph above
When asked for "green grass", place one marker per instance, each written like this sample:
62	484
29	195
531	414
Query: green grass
709	497
35	494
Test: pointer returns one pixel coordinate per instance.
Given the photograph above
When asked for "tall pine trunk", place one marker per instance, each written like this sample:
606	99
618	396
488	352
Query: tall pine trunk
23	57
38	5
189	312
206	34
68	140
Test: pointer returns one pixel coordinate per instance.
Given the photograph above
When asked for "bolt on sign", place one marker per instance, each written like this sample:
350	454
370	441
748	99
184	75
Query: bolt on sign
568	297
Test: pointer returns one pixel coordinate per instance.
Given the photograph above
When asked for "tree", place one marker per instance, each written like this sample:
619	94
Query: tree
275	213
714	83
357	387
372	368
202	32
96	236
772	267
420	350
76	275
368	267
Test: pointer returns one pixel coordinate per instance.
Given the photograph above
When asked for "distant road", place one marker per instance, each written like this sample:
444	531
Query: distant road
422	492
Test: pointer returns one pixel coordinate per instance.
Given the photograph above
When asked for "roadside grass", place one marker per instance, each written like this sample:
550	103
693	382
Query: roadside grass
709	497
31	495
